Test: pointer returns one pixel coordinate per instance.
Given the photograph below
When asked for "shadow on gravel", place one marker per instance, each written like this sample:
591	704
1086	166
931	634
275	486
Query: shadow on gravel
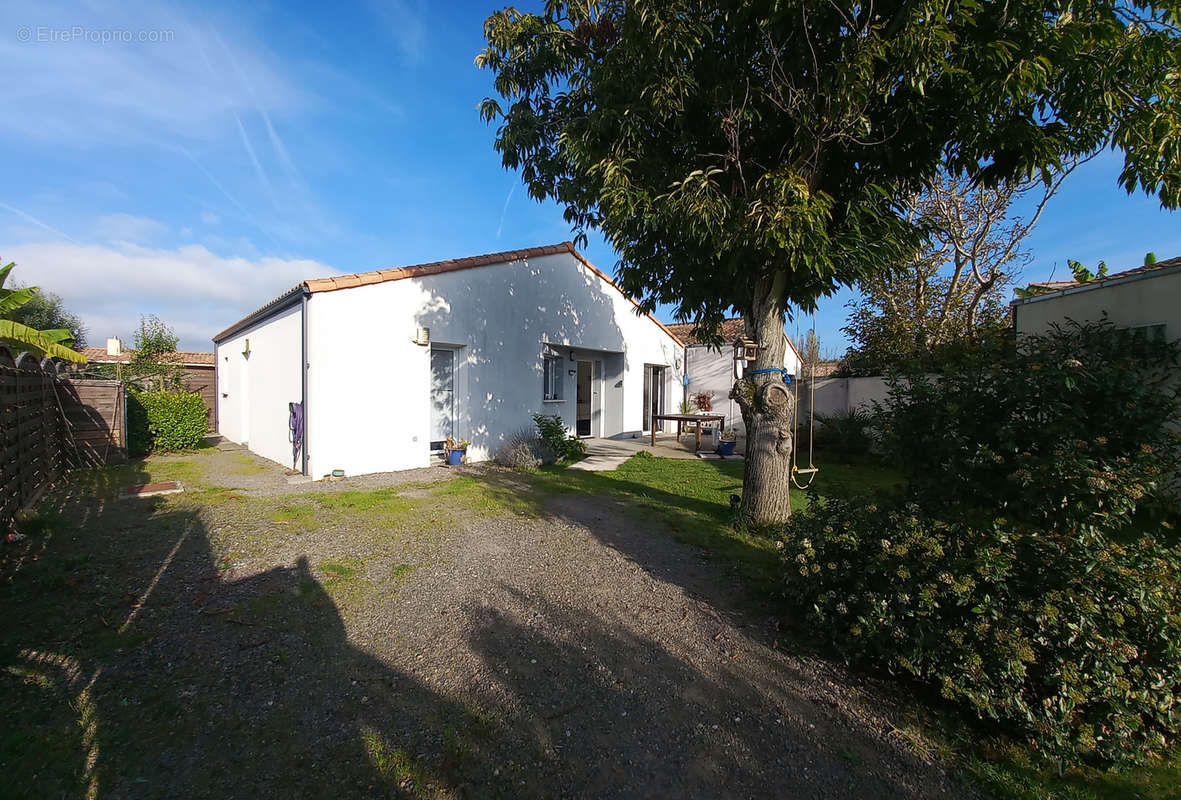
130	666
133	665
619	715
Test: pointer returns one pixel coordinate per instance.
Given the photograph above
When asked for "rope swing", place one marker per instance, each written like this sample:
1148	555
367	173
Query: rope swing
811	470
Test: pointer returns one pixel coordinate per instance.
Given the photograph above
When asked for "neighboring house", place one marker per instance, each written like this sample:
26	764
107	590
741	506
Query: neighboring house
1147	298
199	373
387	364
713	370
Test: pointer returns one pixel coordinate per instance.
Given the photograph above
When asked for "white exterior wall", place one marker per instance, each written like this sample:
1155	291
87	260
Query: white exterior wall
253	392
1149	300
368	383
713	371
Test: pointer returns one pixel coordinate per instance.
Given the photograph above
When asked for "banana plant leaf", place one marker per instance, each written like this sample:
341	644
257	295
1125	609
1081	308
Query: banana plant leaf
53	343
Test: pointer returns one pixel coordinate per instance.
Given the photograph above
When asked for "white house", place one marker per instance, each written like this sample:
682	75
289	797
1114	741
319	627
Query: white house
388	363
713	370
1144	298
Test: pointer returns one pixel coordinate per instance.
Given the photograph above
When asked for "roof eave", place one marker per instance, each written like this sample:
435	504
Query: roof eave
1115	280
281	303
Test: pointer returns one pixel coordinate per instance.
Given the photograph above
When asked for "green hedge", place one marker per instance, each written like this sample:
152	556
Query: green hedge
1071	642
164	421
1030	568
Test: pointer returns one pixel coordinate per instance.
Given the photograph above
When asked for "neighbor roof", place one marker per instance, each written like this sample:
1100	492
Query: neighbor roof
316	285
98	355
730	330
1057	288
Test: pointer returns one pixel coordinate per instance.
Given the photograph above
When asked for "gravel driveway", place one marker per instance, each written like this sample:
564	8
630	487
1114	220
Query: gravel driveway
440	639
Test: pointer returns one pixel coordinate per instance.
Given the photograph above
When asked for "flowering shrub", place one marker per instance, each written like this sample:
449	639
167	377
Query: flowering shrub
1072	642
1029	569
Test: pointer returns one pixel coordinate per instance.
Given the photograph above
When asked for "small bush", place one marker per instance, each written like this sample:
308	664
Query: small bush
703	401
524	450
164	421
552	431
1072	642
844	433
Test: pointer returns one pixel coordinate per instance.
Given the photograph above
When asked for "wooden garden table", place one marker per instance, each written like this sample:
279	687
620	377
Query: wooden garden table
681	419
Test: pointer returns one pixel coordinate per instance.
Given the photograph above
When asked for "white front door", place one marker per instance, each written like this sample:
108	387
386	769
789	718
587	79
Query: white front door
442	396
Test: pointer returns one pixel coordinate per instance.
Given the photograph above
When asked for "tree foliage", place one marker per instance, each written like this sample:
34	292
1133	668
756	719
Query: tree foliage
1029	569
719	141
46	311
747	155
952	288
155	364
20	334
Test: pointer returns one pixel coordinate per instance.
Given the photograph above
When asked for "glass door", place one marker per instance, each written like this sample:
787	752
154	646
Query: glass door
653	396
442	396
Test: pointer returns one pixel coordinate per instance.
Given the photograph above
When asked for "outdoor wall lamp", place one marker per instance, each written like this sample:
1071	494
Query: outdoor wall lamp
571	355
246	350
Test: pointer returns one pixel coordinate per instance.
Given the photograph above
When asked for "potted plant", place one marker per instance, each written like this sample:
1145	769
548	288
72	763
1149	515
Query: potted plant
455	451
727	442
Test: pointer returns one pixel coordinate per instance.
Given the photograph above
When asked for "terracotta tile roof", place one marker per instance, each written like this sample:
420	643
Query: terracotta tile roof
433	268
1128	273
731	330
98	355
316	285
824	369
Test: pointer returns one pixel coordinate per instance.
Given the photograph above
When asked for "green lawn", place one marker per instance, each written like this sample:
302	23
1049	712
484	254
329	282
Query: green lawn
692	497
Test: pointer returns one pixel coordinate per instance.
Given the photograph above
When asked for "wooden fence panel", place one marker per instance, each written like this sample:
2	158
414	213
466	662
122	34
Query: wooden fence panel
94	412
49	424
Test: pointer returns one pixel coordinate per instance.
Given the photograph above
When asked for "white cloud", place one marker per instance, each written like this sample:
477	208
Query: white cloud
127	228
195	291
209	218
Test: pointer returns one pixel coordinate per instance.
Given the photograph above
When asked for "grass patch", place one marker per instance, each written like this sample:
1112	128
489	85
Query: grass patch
692	498
295	515
1009	775
243	464
344	569
401	571
393	763
475	495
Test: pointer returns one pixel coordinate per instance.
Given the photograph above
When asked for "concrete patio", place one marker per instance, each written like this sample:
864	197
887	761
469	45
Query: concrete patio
607	454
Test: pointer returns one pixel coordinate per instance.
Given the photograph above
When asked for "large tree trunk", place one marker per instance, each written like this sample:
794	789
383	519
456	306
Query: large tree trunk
767	408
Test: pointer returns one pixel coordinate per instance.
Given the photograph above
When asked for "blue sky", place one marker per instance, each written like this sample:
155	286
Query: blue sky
244	147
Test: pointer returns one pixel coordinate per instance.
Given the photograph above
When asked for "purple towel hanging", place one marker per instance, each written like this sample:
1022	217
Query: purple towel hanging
295	430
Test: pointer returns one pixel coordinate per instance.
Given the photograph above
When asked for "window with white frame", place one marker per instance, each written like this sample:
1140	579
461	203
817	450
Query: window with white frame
1154	332
552	382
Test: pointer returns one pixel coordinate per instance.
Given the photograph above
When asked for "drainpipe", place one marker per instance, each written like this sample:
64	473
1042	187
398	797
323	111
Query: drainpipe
303	358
